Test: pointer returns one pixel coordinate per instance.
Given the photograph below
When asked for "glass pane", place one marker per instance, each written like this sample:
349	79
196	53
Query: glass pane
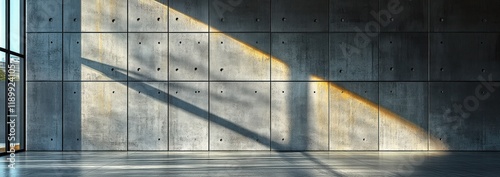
3	28
2	103
15	26
15	99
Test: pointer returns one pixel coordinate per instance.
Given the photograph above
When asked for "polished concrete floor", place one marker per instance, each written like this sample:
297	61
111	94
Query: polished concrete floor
252	163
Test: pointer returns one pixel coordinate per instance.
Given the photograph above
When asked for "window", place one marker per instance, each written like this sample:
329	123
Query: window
12	76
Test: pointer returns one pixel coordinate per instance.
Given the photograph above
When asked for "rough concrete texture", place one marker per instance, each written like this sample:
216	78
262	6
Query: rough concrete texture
95	16
268	58
405	15
188	15
299	57
44	115
354	115
403	116
450	62
353	57
95	116
239	115
464	16
44	16
239	56
45	49
403	57
147	116
299	116
251	16
147	16
188	111
148	56
95	57
188	56
299	16
346	16
465	118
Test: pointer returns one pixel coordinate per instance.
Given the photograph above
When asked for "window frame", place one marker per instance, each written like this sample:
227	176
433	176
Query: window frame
22	59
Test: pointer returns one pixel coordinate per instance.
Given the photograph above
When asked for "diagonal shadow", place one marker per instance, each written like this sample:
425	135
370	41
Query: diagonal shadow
200	113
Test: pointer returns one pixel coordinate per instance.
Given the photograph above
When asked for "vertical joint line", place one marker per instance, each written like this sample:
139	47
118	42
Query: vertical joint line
62	77
209	85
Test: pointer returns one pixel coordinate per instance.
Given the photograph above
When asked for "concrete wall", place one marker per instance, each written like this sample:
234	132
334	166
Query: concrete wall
285	75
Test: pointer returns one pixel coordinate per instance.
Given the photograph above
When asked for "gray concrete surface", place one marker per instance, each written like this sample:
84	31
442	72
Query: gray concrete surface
352	58
95	16
403	57
148	57
147	116
299	116
234	60
44	16
354	116
406	101
450	62
187	15
188	56
286	51
44	115
45	49
147	16
99	121
246	106
182	121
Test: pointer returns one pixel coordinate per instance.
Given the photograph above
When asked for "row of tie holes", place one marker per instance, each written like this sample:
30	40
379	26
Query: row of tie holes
176	19
482	92
340	71
258	19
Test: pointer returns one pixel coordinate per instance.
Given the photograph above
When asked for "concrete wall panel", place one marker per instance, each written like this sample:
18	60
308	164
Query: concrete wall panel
299	115
450	62
242	16
45	52
239	116
405	16
44	116
95	57
403	116
353	115
147	116
95	117
299	57
188	116
453	122
188	15
299	16
239	56
44	16
147	15
403	57
346	16
188	57
464	16
95	16
353	57
148	56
